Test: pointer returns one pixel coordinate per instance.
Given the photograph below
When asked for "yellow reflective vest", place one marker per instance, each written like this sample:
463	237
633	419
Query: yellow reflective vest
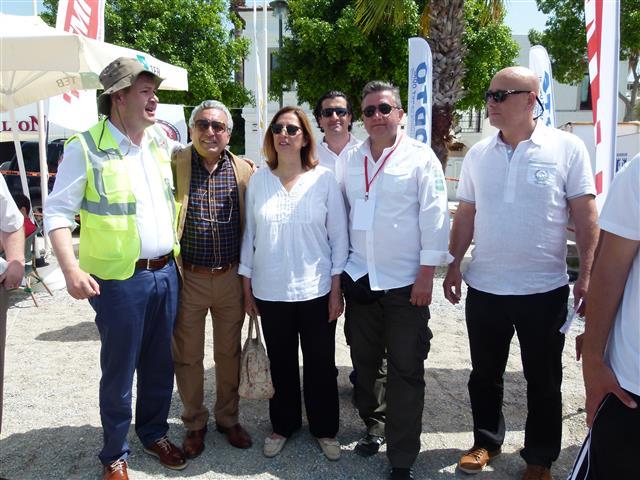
109	238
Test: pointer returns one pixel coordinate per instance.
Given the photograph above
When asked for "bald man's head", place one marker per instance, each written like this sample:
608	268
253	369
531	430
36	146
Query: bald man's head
519	78
512	99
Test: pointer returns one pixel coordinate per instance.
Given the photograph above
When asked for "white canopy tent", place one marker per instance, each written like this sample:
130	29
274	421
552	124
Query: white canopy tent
38	61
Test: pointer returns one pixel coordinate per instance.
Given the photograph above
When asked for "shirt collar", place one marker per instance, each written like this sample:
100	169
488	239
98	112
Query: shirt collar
365	147
124	143
352	141
198	158
537	136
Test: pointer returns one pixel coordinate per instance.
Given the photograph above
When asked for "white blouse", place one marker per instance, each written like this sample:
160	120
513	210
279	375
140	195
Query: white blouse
293	241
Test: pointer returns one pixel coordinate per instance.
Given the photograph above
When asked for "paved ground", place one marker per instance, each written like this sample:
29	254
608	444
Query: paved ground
52	429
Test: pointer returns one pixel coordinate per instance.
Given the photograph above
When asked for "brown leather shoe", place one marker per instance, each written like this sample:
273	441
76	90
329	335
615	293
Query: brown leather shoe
194	442
537	472
115	471
237	435
476	459
169	455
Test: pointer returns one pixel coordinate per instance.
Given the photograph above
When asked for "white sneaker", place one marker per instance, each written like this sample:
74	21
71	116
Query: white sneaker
273	446
330	447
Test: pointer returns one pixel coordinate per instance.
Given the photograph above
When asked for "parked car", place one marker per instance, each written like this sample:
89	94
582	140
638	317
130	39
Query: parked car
31	156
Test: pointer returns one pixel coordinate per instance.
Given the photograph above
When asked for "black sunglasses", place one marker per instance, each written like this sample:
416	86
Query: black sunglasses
328	112
217	127
383	108
500	96
292	130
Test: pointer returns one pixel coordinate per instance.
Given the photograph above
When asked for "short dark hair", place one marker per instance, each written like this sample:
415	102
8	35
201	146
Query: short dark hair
22	201
380	86
332	94
308	152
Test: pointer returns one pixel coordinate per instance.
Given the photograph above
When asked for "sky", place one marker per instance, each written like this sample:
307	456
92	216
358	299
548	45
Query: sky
522	15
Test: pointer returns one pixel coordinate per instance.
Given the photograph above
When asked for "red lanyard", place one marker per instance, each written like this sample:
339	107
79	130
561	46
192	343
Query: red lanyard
368	183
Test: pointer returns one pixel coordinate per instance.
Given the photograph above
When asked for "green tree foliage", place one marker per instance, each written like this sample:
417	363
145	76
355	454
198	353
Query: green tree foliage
194	34
565	39
490	48
327	51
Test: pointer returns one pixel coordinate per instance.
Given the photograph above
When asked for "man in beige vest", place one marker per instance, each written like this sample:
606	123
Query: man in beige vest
210	185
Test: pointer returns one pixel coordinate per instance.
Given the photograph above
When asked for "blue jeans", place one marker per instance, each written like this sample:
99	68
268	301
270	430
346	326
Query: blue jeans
135	318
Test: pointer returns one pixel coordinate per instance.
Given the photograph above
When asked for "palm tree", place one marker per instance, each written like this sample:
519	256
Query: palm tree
442	25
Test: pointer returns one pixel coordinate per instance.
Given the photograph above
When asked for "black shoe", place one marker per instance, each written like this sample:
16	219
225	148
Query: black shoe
369	445
401	474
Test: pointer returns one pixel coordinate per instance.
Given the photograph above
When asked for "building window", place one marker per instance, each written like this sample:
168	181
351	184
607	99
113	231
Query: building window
470	121
585	93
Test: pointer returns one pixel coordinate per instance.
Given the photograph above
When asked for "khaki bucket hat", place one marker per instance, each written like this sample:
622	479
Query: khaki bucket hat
119	74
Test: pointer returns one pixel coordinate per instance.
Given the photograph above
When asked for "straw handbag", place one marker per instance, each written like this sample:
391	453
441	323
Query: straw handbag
255	373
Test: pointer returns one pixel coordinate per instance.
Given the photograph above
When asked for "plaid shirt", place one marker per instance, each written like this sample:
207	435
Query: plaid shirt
211	236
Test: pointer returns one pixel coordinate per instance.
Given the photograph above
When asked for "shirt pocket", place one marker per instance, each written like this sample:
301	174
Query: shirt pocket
396	179
541	174
354	183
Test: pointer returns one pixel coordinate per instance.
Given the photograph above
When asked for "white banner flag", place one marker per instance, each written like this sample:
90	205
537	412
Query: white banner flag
171	119
77	109
539	62
420	88
602	20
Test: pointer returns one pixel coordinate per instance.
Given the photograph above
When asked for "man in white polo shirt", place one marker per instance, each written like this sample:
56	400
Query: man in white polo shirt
611	348
517	190
334	115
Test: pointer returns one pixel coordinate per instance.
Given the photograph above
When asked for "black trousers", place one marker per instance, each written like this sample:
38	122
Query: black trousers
391	405
283	323
491	322
612	443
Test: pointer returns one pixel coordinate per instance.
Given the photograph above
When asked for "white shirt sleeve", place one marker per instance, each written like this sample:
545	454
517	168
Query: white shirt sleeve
579	176
337	229
68	190
434	214
466	191
621	211
10	217
247	249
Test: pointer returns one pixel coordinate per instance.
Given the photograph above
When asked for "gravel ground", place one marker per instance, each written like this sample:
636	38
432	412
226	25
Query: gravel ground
51	426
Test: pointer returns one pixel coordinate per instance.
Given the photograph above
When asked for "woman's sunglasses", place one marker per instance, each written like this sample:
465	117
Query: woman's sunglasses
291	130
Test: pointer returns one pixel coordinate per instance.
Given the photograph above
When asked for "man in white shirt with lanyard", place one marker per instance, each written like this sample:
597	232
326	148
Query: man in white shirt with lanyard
611	348
398	228
517	189
118	176
334	115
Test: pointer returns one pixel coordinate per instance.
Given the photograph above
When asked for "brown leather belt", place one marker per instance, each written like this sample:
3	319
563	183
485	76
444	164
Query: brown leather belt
153	263
207	270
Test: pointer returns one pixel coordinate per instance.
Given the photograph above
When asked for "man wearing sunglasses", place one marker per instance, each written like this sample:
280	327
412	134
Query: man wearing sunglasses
398	229
517	190
334	115
210	185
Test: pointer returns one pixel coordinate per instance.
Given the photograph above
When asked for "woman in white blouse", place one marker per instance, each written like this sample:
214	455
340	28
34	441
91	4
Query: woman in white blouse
294	248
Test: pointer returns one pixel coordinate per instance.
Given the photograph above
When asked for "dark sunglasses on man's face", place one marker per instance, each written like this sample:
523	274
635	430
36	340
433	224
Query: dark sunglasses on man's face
383	108
217	127
328	112
500	96
291	130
